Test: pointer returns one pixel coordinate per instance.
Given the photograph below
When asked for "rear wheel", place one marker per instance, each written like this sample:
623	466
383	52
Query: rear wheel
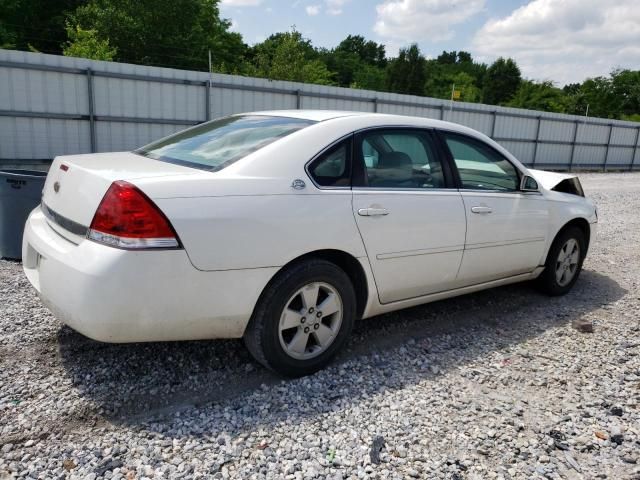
302	319
564	262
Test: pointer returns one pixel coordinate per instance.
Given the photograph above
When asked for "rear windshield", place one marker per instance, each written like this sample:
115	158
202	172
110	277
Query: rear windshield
217	144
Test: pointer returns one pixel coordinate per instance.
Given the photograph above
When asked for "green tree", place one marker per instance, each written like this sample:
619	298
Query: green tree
539	96
35	24
368	77
177	33
601	97
626	88
266	50
501	82
465	84
367	51
406	73
454	68
289	56
357	62
85	44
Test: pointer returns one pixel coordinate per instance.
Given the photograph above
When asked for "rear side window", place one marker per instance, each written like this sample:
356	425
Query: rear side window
333	167
480	166
399	159
217	144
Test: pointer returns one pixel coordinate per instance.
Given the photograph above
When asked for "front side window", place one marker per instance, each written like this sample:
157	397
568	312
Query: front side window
399	159
214	145
333	167
480	166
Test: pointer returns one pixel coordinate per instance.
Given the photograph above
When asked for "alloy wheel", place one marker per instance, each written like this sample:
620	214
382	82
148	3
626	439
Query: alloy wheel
567	262
310	321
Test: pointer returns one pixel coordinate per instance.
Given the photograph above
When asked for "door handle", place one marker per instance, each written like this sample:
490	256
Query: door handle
373	212
481	209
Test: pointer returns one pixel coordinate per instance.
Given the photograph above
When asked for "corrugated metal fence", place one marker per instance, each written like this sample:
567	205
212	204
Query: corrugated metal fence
52	105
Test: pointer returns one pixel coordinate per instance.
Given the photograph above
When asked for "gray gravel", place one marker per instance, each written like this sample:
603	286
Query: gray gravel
497	384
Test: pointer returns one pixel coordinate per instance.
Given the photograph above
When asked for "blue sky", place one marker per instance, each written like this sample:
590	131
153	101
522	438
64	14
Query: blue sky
559	40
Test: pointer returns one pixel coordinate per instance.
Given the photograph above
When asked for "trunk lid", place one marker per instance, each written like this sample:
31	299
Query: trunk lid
76	184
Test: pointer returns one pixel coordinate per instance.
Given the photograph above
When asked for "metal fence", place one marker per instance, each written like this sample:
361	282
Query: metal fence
52	105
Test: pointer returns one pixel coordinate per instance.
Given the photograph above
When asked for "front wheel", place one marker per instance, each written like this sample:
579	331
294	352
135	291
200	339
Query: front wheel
302	319
564	262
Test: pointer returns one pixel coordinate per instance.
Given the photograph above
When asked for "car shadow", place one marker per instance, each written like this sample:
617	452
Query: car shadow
148	383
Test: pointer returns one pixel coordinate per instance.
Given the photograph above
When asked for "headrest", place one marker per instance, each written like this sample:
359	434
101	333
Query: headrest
394	160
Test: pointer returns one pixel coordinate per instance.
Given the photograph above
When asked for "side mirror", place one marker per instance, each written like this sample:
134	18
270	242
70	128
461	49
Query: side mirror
529	184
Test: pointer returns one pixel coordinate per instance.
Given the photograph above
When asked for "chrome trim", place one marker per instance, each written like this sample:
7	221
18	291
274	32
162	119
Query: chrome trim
126	243
476	246
506	192
416	253
410	190
64	222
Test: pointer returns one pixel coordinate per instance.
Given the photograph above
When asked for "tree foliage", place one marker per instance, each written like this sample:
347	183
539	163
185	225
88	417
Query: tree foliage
35	24
406	73
539	96
454	68
501	81
357	62
289	56
176	33
86	44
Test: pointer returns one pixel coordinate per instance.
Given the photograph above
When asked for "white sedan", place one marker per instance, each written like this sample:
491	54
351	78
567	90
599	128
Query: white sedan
284	227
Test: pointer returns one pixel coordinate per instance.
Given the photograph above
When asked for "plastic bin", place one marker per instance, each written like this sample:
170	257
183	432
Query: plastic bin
20	192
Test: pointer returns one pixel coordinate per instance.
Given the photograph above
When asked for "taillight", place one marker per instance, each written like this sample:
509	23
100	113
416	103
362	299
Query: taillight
127	218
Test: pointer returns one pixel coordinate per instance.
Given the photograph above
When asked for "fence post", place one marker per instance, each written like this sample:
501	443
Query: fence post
635	149
207	103
442	112
606	153
493	124
573	143
375	105
92	120
535	142
298	99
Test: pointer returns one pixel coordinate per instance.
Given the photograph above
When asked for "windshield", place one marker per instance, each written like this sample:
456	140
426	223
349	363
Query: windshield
217	144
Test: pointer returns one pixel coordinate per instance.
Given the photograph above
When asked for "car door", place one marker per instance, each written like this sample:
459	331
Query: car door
410	216
506	228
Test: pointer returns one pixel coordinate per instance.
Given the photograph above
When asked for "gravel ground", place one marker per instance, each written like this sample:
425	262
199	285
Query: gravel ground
496	384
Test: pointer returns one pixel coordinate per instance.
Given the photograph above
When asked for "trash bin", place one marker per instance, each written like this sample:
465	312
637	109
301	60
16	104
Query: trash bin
20	192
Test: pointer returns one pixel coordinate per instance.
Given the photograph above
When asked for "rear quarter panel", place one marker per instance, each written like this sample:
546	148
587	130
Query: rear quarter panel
258	231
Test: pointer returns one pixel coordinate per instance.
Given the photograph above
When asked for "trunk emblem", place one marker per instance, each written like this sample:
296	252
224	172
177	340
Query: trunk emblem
56	187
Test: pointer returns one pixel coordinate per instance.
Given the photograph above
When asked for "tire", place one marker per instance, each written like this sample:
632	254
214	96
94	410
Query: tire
284	317
551	281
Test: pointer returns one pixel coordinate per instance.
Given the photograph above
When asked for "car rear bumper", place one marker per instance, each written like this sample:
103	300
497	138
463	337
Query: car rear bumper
114	295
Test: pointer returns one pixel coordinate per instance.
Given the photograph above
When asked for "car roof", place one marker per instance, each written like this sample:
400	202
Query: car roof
373	118
313	115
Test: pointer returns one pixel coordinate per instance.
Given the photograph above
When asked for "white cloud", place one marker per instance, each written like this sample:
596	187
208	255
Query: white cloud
423	20
565	40
312	10
241	3
334	7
